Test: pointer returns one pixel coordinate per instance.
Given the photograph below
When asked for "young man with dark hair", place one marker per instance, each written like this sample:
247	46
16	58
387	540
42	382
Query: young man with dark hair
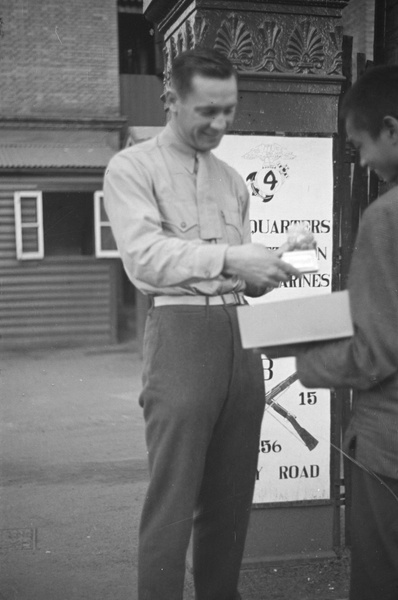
368	362
180	217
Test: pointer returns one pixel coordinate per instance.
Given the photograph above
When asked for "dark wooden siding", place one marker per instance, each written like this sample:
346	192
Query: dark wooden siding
7	223
55	301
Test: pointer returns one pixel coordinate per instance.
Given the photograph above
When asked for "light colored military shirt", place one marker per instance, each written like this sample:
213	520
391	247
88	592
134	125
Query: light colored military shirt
173	225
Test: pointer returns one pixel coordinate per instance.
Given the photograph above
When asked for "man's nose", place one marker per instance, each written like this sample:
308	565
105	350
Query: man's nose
219	122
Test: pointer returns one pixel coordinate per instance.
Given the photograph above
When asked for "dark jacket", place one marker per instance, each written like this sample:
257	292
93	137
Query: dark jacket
368	362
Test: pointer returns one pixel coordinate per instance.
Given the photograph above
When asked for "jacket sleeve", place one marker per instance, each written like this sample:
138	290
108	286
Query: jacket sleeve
371	355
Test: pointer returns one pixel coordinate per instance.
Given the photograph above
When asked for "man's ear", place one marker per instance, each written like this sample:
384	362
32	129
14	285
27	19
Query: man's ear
391	125
171	99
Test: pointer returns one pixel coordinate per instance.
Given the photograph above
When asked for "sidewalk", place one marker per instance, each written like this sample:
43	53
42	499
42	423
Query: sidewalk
73	465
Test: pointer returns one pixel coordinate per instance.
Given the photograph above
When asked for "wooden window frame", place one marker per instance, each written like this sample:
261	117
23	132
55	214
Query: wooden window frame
98	225
20	225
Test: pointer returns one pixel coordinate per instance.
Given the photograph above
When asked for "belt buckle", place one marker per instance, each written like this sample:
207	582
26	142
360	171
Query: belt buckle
236	298
239	298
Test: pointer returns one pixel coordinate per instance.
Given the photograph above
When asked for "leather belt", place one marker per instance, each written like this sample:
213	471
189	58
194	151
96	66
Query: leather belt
232	298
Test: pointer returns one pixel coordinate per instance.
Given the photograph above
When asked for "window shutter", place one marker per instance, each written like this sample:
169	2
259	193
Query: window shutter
28	207
105	245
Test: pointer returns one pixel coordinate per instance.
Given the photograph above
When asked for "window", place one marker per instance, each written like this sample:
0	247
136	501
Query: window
136	45
68	223
105	245
62	224
28	208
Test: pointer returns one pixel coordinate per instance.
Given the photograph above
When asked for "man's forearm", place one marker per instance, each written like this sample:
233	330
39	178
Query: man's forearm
257	265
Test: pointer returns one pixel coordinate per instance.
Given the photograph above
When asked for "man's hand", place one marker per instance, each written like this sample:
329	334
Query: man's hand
257	265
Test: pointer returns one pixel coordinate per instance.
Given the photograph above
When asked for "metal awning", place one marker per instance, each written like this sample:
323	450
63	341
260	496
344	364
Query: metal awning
53	156
56	149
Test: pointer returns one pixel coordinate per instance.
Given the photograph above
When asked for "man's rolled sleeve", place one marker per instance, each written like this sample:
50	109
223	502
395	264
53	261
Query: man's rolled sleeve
340	364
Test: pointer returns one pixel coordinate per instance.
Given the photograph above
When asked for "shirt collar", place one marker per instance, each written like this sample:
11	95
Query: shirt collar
186	154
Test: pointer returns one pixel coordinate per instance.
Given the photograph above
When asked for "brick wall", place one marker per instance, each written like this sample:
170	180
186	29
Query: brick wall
59	58
358	22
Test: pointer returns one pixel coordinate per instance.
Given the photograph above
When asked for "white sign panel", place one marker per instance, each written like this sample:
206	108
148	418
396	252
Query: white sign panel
291	181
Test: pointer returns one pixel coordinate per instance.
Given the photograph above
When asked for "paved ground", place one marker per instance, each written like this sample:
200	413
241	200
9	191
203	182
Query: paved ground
73	465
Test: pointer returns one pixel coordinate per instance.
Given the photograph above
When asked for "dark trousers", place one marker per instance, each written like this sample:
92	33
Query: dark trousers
374	537
203	400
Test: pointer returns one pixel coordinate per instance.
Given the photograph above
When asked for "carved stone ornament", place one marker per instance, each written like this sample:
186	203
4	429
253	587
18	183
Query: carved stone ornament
290	44
234	40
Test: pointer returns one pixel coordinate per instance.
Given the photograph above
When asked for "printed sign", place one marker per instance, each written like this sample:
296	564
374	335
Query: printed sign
290	180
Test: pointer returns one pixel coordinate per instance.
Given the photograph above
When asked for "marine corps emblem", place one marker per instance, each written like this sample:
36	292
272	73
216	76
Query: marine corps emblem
273	173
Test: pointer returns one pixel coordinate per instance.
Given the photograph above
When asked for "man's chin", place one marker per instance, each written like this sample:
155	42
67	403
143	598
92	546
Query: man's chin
209	144
211	141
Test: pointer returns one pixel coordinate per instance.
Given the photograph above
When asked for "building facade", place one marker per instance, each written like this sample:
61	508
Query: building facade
61	120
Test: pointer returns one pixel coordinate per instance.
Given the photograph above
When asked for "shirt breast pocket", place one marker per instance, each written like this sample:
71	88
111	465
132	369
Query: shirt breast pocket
233	225
177	224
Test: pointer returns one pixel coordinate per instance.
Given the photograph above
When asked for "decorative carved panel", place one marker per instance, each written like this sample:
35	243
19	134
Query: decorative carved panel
264	43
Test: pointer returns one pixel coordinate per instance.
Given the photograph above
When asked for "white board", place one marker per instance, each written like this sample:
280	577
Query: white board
290	179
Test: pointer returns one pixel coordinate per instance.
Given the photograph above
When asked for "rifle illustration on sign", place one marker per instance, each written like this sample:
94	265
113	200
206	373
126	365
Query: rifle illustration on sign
305	435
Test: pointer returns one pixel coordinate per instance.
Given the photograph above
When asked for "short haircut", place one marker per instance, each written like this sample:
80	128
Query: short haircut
200	61
372	97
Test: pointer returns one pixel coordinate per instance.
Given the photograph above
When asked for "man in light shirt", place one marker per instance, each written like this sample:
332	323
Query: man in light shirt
180	217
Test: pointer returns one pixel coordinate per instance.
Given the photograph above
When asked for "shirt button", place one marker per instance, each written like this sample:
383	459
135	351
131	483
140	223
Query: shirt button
183	224
207	273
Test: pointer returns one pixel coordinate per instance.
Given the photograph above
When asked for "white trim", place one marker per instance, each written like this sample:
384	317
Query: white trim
98	225
19	225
